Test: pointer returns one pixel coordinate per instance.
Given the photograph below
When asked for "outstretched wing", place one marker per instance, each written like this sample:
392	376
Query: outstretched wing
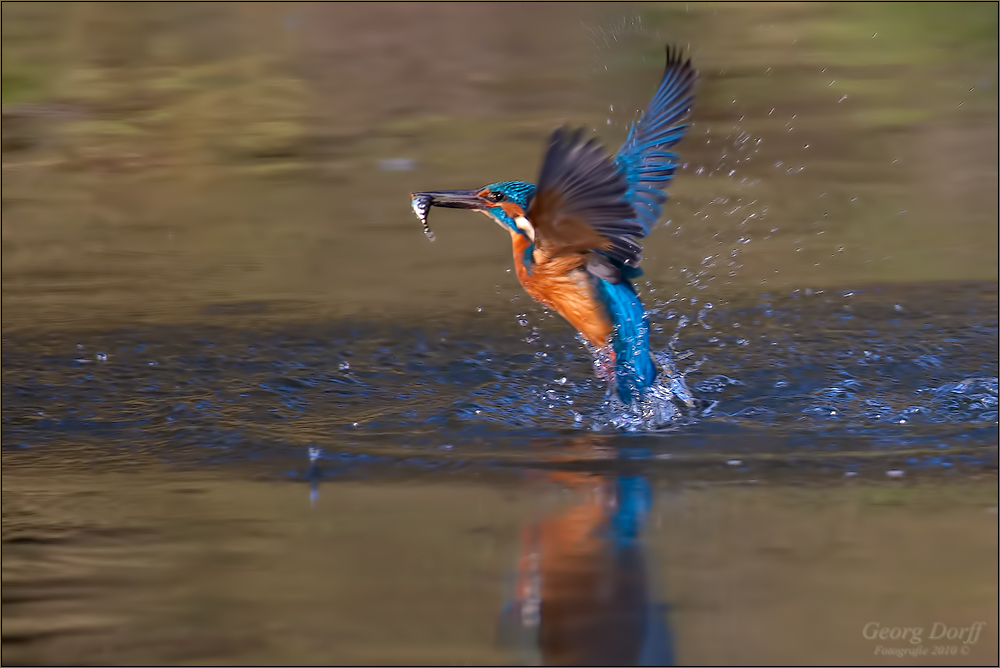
581	201
643	159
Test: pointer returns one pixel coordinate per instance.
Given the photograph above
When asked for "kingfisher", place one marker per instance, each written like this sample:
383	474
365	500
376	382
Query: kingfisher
575	233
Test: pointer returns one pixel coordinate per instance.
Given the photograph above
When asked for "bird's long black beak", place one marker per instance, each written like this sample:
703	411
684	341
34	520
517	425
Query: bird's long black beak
452	199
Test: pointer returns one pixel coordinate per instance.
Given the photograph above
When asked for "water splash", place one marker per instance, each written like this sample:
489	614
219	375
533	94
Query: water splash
664	405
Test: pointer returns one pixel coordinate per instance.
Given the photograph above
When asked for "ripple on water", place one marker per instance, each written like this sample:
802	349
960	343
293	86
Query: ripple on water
927	379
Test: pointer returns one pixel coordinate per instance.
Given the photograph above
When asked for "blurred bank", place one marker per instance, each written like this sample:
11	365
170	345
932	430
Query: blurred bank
168	162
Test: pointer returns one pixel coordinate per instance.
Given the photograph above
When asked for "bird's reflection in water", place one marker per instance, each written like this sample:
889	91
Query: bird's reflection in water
583	593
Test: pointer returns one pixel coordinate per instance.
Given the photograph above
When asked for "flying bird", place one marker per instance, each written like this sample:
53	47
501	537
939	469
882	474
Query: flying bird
576	232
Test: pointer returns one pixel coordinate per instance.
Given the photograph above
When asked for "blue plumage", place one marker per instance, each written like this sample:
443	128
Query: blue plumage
648	168
644	159
634	368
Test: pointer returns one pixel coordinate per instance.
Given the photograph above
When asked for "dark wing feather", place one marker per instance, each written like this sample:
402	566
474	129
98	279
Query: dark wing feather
644	159
580	202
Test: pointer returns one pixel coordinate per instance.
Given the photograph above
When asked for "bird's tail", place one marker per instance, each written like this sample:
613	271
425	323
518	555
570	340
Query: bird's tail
634	367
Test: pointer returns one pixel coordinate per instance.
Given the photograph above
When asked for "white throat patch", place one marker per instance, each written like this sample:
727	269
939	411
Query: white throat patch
525	226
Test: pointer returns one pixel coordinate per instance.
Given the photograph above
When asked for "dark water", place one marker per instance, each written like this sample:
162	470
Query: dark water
250	416
866	371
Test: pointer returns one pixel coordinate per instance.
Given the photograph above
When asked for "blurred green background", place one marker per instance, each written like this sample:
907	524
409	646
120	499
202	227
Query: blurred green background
168	162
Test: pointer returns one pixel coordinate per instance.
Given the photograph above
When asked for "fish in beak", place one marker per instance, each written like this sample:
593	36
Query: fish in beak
447	199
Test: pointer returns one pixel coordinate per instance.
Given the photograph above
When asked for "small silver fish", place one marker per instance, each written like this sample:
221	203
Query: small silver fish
421	206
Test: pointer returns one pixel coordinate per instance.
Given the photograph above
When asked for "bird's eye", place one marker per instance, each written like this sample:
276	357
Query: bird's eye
496	197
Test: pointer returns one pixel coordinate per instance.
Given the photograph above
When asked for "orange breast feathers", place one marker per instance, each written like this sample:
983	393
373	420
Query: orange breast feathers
556	283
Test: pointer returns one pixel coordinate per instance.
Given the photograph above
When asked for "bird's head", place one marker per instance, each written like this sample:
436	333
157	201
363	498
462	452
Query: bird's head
505	202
